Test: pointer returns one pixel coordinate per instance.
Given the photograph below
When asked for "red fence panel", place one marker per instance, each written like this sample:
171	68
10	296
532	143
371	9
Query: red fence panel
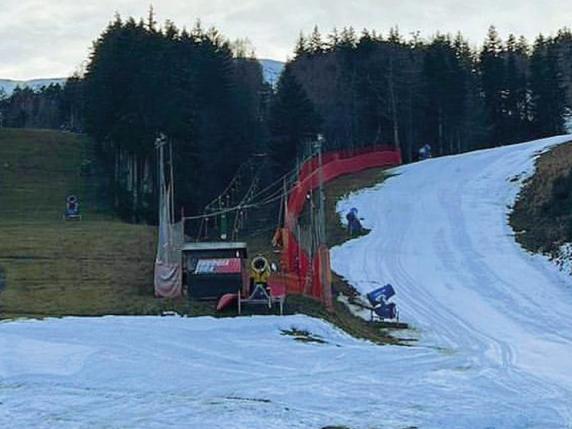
295	260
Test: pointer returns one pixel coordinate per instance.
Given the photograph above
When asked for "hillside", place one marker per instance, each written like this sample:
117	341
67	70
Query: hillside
97	266
543	213
493	324
271	70
499	316
8	85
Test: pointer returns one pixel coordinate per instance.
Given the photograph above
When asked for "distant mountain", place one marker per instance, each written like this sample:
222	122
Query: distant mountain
272	70
8	85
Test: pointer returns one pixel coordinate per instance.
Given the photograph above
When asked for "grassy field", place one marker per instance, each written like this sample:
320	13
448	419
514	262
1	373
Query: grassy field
93	267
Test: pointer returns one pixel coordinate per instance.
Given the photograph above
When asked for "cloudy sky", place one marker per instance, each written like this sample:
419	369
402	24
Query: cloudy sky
51	38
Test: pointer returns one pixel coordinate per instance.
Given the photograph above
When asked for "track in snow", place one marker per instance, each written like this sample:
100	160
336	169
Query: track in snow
440	235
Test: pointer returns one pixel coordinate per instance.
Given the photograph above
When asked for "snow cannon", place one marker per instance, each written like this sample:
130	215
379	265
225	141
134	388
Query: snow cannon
381	295
260	265
387	311
72	208
380	307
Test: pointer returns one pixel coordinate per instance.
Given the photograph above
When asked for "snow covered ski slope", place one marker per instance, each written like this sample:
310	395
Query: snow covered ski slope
204	373
494	323
440	235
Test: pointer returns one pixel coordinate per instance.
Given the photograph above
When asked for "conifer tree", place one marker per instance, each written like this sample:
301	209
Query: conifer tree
142	81
301	48
293	121
316	45
548	98
493	79
517	98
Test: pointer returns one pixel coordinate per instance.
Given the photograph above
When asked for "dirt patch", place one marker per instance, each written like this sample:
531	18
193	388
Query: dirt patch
303	336
542	215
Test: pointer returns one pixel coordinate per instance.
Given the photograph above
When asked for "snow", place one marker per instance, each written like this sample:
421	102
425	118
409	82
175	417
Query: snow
148	372
564	258
493	324
568	122
440	235
271	70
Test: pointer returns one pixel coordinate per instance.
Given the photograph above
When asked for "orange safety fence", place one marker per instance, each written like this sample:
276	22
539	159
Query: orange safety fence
300	274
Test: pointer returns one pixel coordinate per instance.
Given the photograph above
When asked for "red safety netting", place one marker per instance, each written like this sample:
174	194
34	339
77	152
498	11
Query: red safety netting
300	275
334	165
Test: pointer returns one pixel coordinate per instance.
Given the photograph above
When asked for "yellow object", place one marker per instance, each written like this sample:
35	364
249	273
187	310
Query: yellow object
260	270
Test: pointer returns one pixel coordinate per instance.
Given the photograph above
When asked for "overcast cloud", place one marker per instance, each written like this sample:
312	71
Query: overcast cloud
51	38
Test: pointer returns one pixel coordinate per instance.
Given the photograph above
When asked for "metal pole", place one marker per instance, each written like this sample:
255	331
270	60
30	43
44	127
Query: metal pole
323	247
172	196
322	196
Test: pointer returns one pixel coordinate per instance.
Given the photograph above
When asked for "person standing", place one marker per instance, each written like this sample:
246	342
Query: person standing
354	224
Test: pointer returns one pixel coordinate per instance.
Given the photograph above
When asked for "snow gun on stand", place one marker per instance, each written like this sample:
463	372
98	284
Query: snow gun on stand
380	307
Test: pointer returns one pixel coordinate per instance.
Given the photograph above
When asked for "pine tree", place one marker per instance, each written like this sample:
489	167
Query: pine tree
293	120
301	48
548	98
348	38
333	39
445	91
316	45
516	101
151	22
142	81
493	79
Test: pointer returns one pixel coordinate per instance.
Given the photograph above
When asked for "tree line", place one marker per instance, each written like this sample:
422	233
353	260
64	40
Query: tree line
208	97
368	89
204	94
47	107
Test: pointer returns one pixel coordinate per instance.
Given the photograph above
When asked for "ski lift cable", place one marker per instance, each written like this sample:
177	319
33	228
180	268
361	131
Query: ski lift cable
268	199
236	177
246	199
240	207
290	176
267	192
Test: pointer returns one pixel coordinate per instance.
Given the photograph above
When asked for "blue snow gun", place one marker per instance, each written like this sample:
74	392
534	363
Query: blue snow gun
380	295
378	299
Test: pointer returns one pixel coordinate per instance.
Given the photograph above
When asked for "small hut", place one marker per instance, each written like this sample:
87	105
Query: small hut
213	269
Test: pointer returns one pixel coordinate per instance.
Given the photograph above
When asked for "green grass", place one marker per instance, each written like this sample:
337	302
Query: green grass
97	266
39	168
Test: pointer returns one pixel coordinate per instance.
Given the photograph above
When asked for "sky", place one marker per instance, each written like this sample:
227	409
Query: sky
52	38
